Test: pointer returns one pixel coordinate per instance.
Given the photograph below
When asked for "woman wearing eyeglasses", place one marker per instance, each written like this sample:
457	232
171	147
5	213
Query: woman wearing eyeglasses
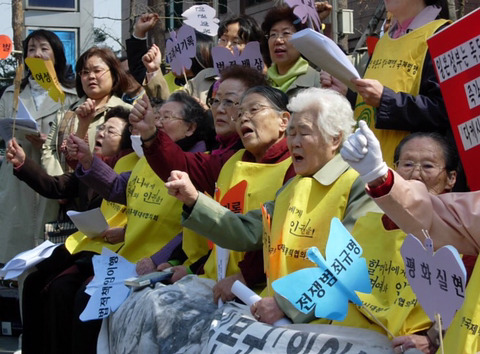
249	177
450	219
100	82
430	159
164	156
261	126
289	71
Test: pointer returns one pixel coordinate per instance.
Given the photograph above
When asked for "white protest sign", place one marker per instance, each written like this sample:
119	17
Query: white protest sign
437	279
202	18
107	288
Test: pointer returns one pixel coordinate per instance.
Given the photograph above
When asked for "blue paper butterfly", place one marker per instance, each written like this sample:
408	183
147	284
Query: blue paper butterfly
328	287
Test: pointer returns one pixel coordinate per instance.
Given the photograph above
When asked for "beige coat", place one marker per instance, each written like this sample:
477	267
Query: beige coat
450	219
23	212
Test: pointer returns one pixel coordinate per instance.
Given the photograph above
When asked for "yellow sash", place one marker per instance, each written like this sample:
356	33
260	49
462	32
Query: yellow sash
263	181
114	214
194	245
463	335
397	64
153	215
392	300
301	219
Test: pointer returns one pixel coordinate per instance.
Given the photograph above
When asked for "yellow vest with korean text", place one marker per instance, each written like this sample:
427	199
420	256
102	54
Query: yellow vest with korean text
397	64
153	216
463	335
114	214
301	219
392	300
262	182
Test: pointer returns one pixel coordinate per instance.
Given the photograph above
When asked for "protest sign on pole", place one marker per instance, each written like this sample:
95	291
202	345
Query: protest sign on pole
455	53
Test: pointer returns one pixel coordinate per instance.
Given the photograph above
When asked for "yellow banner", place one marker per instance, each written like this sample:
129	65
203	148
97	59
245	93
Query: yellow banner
44	74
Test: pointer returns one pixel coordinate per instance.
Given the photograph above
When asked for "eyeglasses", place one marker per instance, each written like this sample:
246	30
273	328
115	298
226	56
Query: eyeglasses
426	167
226	102
166	118
285	35
97	72
225	42
108	130
251	112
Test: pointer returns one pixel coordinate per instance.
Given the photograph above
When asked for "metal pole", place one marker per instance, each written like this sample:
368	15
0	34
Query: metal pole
335	20
171	15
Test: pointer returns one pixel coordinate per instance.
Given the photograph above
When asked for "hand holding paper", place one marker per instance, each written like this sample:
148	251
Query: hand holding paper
250	298
325	54
15	153
91	222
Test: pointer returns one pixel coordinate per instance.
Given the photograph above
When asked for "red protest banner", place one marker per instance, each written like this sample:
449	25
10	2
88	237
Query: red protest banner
456	56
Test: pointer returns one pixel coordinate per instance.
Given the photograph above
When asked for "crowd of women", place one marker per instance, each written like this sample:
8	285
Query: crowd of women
229	177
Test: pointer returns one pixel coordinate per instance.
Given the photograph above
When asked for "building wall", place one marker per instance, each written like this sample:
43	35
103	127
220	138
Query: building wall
80	20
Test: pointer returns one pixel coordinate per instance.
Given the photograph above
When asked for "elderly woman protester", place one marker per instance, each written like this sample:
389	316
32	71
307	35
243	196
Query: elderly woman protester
289	71
261	127
430	159
23	223
324	187
164	156
450	219
249	178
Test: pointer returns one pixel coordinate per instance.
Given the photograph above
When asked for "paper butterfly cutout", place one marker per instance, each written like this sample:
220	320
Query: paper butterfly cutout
107	289
202	18
328	287
437	279
180	48
45	75
250	56
305	11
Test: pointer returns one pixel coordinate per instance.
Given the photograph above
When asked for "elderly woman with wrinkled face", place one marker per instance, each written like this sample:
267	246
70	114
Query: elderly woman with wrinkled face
324	187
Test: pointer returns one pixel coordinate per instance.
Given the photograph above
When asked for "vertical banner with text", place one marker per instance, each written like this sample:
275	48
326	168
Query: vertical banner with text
455	53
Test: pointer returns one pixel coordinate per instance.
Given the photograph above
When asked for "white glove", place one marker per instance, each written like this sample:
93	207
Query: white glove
362	152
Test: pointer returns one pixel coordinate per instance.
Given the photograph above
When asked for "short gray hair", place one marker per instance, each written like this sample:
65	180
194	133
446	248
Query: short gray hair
334	112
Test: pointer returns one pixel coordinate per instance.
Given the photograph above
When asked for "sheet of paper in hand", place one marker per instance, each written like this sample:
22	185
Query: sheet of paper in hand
325	54
180	48
24	124
250	56
328	287
107	289
25	260
202	18
437	279
91	222
305	11
45	75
